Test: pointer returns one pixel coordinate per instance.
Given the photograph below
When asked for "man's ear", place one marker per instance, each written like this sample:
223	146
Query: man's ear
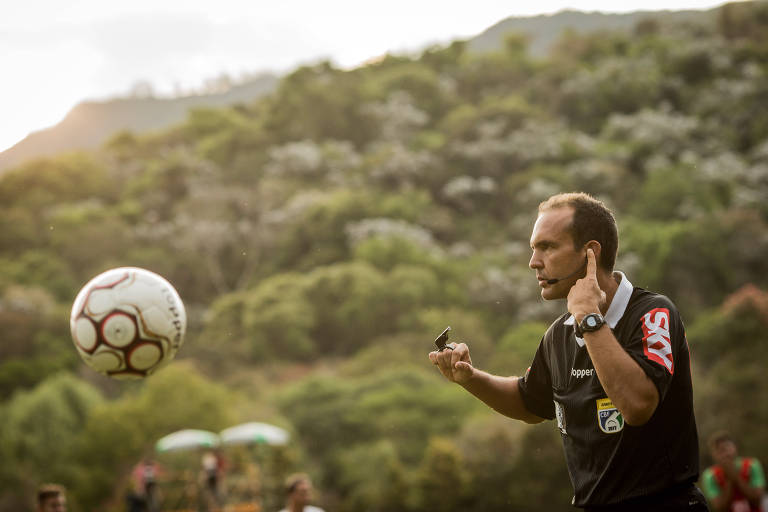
597	249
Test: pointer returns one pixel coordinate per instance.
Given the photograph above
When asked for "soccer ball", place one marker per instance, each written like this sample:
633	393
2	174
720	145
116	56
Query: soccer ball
127	322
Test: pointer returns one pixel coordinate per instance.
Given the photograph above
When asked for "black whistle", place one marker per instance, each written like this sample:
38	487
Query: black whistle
441	340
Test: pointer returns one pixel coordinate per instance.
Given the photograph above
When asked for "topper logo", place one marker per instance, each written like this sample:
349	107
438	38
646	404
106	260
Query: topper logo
657	343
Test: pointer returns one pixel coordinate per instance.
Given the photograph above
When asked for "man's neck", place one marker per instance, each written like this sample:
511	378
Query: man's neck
609	283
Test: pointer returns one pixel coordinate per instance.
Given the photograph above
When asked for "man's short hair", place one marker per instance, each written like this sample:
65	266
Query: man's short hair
47	491
592	220
718	437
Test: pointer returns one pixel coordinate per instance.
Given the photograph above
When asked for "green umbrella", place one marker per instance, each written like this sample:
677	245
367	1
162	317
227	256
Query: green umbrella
254	433
188	439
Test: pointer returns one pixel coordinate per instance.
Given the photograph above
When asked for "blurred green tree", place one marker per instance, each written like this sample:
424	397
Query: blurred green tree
39	435
727	344
373	478
441	481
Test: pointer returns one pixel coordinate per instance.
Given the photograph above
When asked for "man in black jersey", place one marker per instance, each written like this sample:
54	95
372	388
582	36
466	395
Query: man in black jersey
613	371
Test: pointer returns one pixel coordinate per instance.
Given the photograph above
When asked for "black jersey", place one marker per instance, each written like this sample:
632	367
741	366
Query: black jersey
609	461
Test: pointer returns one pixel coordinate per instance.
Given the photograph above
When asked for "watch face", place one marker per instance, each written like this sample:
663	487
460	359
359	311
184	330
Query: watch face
592	322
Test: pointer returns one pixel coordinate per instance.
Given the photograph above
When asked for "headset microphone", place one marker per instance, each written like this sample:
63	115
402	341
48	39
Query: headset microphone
557	280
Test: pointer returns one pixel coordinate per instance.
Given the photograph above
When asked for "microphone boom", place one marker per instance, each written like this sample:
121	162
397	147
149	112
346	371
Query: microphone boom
558	279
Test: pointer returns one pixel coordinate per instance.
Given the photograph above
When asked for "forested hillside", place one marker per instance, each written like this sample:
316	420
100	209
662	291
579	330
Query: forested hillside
544	30
322	236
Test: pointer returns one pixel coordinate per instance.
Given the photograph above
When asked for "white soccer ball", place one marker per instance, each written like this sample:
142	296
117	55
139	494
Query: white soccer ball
128	322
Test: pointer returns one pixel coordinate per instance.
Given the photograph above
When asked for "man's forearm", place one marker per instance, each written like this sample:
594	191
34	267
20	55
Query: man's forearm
625	383
753	494
722	503
501	394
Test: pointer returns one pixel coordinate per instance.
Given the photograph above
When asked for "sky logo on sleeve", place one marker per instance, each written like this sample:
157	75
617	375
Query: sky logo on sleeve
609	419
657	343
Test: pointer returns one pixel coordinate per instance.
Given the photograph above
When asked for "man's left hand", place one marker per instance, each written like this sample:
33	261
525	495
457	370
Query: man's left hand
585	295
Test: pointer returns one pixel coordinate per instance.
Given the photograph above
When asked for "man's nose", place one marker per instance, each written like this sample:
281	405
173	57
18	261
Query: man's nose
535	261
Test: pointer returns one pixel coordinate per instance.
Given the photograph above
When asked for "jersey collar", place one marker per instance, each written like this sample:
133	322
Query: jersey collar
616	309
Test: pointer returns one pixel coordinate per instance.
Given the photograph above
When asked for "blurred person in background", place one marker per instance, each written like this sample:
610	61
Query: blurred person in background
732	483
299	491
213	468
51	498
143	495
613	371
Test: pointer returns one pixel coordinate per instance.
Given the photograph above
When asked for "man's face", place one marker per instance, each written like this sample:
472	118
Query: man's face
302	493
724	452
554	255
54	504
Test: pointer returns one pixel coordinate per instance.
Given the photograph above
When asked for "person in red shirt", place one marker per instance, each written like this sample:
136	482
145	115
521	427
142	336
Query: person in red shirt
733	483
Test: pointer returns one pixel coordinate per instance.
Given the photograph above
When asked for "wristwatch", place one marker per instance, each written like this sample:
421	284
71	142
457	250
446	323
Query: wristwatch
590	323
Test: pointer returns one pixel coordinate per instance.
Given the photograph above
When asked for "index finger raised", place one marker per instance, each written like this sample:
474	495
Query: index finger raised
591	263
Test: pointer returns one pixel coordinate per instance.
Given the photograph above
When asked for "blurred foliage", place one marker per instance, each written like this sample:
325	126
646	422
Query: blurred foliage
729	350
322	237
40	433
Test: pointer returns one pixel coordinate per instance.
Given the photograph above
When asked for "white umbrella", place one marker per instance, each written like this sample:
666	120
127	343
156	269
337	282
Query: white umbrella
254	432
187	440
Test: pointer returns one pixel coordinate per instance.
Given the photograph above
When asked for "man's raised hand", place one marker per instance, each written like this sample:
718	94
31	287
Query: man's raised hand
455	365
585	295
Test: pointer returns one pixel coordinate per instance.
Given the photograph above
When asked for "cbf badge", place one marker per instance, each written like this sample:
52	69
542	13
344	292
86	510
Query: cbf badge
608	416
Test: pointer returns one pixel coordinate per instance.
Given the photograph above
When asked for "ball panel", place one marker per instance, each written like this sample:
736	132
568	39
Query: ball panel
164	314
77	307
100	302
118	329
84	334
145	356
157	323
105	360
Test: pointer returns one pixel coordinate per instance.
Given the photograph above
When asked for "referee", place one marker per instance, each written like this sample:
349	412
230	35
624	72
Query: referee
613	372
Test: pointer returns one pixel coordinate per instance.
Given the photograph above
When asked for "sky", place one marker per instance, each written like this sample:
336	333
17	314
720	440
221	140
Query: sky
54	54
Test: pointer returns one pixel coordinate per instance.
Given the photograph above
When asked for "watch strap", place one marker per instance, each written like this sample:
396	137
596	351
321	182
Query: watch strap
577	326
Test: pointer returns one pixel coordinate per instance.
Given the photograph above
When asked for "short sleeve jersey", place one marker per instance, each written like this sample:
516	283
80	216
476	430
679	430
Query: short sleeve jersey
608	460
713	481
